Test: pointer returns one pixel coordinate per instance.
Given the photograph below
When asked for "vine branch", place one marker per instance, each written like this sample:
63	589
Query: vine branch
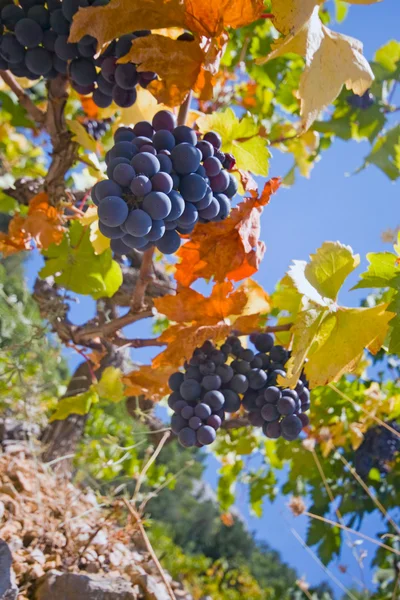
145	277
184	109
36	113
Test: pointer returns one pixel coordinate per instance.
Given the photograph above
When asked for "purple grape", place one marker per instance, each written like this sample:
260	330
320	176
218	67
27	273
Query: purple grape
187	437
145	163
123	98
190	390
144	129
138	223
272	394
164	119
126	76
211	211
165	163
269	412
212	166
203	411
214	139
169	243
141	185
162	182
163	140
239	384
257	379
286	405
175	381
184	134
220	182
193	187
264	342
156	232
205	148
206	435
232	401
291	427
185	158
134	242
211	382
177	205
214	398
157	205
214	421
255	418
304	419
187	412
272	430
113	211
123	174
195	423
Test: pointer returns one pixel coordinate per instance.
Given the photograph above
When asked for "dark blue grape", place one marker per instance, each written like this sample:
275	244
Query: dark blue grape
114	163
225	207
146	164
264	342
203	411
257	379
214	421
113	233
270	412
134	242
138	223
272	430
28	33
250	400
178	423
187	412
286	405
206	435
11	50
59	23
162	182
225	372
190	390
185	134
232	401
124	98
177	205
141	185
108	67
165	163
49	39
233	186
212	166
291	427
105	188
144	129
211	382
123	134
83	71
123	174
163	140
277	353
211	211
119	247
189	216
220	182
38	60
113	211
206	200
214	398
255	419
205	148
304	419
185	158
157	205
169	243
272	394
175	381
195	423
126	76
193	187
124	44
11	15
100	99
239	384
106	88
214	139
164	119
156	232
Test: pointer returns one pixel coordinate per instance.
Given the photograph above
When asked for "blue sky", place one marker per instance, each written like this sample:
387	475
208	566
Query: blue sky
331	205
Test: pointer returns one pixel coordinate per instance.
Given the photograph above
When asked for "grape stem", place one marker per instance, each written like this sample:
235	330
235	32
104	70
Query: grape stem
145	277
36	113
184	109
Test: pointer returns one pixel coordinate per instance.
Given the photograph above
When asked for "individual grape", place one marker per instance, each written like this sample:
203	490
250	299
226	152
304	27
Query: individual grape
255	418
220	182
113	233
164	119
123	174
214	398
11	15
162	182
126	76
264	342
225	207
220	155
134	242
49	39
205	148
165	164
214	139
260	401
108	68
119	247
185	158
141	185
226	349
83	71
144	129
156	232
239	384
145	77
286	405
41	15
195	423
113	211
38	60
187	437
233	186
187	412
142	140
163	140
206	435
250	400
212	166
138	223
291	427
146	164
246	354
270	412
193	187
175	381
28	33
304	419
225	372
202	410
11	50
59	23
123	134
157	205
305	396
64	49
105	188
241	366
207	368
214	421
229	162
87	50
257	379
148	148
206	200
84	90
178	423
272	394
189	216
185	134
70	7
190	390
179	404
211	382
114	163
169	243
278	354
124	44
232	401
211	211
272	430
101	100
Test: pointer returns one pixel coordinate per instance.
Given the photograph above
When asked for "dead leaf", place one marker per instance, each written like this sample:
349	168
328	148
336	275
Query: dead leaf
148	381
230	249
17	239
44	222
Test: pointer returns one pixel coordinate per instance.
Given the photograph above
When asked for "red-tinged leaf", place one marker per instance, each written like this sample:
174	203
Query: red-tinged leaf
17	239
230	249
247	181
183	339
148	381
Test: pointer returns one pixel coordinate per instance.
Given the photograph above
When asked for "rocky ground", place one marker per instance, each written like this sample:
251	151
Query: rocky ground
57	542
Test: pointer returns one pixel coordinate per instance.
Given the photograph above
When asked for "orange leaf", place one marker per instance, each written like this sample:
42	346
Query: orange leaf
211	17
230	249
44	222
148	381
227	519
188	305
17	238
89	107
247	181
182	340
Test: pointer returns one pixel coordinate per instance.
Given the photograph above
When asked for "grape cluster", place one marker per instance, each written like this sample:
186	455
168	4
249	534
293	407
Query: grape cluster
97	128
362	102
34	43
218	381
162	180
378	449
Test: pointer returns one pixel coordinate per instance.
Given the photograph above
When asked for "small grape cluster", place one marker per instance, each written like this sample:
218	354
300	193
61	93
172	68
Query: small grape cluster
218	381
378	449
162	180
97	128
362	102
34	43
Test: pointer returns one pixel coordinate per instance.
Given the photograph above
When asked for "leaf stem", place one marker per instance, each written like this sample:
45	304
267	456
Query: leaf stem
184	109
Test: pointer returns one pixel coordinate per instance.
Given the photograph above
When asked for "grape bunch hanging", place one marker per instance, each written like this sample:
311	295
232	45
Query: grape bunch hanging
219	381
378	449
162	180
34	43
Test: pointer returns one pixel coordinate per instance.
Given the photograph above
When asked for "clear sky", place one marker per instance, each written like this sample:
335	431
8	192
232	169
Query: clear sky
331	205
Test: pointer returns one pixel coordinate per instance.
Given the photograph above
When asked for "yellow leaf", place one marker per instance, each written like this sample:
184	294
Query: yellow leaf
81	136
332	59
89	217
110	386
258	301
329	267
356	435
99	241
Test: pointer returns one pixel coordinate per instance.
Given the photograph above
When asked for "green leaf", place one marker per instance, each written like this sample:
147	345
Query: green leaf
261	485
75	405
17	112
75	266
385	154
227	482
329	267
341	10
388	55
394	307
110	386
328	539
240	138
381	270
